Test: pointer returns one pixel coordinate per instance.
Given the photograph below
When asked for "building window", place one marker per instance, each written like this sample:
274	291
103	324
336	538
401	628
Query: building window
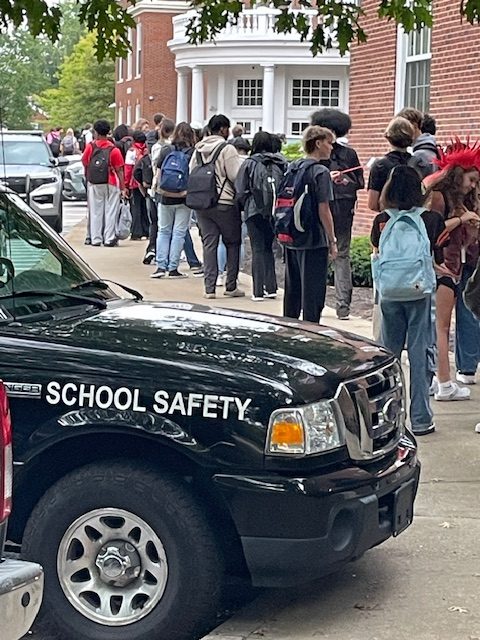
249	93
315	93
417	69
138	112
247	126
138	51
129	57
120	116
120	69
297	128
129	115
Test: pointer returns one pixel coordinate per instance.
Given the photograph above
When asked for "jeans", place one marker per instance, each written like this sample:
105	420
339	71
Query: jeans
343	211
173	220
190	253
467	330
305	283
222	251
260	231
410	322
224	221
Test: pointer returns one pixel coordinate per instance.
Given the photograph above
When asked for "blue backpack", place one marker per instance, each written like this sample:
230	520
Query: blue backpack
296	210
174	174
403	270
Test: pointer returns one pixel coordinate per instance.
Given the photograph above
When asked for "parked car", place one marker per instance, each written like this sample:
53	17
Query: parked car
28	167
74	185
160	445
21	583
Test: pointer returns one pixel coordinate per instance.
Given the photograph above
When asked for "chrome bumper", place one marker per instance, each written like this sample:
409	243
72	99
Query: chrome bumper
21	591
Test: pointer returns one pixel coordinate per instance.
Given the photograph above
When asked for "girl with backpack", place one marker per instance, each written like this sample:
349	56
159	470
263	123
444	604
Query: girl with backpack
256	187
405	236
453	194
69	145
173	213
138	205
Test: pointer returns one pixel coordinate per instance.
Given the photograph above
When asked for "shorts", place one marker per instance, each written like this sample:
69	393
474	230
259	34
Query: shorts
450	284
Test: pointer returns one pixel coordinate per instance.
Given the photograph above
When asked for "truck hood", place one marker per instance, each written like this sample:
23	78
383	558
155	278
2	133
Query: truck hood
21	170
156	336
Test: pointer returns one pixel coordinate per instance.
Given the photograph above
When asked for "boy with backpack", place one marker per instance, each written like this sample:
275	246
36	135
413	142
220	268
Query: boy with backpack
211	194
103	164
257	186
304	226
406	236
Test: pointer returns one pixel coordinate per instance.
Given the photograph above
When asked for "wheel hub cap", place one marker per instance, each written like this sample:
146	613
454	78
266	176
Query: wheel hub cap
119	563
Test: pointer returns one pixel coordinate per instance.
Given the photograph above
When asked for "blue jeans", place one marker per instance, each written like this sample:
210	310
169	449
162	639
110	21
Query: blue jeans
467	331
222	251
173	220
410	322
190	253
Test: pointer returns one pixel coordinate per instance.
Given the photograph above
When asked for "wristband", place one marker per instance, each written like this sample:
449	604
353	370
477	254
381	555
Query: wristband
332	241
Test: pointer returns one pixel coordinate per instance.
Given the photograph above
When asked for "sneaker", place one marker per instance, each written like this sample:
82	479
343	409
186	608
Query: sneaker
159	273
220	280
424	431
466	378
176	274
113	243
198	273
149	257
270	295
236	293
196	267
453	392
433	387
258	298
477	428
209	296
87	241
347	317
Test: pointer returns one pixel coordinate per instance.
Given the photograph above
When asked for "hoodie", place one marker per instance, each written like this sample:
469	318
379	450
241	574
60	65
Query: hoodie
227	165
425	151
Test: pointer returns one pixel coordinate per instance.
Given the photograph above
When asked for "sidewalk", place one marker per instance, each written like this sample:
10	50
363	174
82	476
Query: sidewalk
124	264
422	585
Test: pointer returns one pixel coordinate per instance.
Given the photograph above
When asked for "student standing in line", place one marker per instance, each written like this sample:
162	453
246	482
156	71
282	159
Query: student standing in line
138	204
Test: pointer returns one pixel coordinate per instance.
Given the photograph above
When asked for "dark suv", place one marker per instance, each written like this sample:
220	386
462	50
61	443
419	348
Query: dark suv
28	167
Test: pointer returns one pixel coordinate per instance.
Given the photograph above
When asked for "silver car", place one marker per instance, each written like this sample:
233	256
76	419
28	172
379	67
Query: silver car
28	167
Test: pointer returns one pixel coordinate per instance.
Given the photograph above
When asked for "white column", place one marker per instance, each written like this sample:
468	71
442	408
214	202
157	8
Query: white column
182	95
268	97
221	89
198	98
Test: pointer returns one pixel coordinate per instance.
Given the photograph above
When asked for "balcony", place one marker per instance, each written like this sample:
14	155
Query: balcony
252	40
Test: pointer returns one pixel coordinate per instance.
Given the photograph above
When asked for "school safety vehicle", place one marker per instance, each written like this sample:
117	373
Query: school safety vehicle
159	446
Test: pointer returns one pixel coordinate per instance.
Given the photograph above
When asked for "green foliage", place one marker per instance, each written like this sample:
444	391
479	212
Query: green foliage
292	151
360	256
85	90
339	22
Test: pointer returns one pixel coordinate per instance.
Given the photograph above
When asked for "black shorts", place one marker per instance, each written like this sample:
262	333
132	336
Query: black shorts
450	283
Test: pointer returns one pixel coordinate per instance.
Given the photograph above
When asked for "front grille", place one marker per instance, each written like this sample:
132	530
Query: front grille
373	409
19	185
16	184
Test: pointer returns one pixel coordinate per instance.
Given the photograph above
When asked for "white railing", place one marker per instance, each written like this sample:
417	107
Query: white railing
254	24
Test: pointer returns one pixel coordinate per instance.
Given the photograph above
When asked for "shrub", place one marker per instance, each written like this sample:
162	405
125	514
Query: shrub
292	151
360	256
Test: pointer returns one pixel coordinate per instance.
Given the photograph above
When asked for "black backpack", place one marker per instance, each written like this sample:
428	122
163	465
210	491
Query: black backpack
265	182
202	192
55	147
98	168
296	211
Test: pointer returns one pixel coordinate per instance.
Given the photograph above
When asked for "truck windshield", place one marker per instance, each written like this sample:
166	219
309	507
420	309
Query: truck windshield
27	152
35	259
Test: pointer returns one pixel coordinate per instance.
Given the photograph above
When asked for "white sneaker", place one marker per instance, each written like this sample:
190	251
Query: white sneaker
433	387
220	280
477	428
258	298
453	392
466	378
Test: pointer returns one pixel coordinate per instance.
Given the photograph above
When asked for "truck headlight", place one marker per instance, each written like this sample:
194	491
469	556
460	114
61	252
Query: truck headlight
306	430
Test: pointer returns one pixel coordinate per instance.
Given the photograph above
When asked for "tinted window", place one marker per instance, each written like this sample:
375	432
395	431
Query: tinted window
32	151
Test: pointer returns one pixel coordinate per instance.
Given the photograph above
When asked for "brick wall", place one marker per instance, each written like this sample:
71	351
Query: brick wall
372	96
455	72
158	78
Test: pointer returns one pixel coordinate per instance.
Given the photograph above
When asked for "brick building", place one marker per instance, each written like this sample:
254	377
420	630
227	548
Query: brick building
264	79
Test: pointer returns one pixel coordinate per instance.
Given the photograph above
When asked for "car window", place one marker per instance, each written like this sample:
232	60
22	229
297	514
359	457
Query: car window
27	152
41	260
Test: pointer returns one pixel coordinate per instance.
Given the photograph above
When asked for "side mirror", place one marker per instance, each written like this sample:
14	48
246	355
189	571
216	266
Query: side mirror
62	162
7	268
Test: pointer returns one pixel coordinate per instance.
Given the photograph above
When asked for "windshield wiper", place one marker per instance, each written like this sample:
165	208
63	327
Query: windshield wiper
102	284
96	302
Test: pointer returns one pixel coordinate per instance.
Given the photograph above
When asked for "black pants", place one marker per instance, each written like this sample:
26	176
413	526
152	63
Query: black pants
305	283
153	224
260	231
222	221
140	221
342	211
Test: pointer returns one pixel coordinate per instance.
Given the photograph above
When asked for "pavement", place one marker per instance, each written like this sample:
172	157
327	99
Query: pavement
423	585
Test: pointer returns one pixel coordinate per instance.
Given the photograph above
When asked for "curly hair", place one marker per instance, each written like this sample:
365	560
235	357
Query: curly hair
449	183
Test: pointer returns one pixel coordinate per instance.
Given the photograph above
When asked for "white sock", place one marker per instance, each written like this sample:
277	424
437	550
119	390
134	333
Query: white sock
445	386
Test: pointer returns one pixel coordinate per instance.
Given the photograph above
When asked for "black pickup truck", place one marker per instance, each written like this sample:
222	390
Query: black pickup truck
160	445
21	583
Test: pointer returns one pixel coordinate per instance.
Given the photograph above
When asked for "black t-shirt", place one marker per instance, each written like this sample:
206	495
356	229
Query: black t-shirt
166	150
434	224
342	158
381	169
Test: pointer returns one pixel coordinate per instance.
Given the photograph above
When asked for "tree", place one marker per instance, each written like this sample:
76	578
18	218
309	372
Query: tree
86	87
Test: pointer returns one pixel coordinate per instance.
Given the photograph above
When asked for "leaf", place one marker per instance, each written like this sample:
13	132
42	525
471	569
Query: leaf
446	525
455	609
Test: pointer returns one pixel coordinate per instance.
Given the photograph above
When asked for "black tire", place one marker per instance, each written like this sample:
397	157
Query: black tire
164	504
